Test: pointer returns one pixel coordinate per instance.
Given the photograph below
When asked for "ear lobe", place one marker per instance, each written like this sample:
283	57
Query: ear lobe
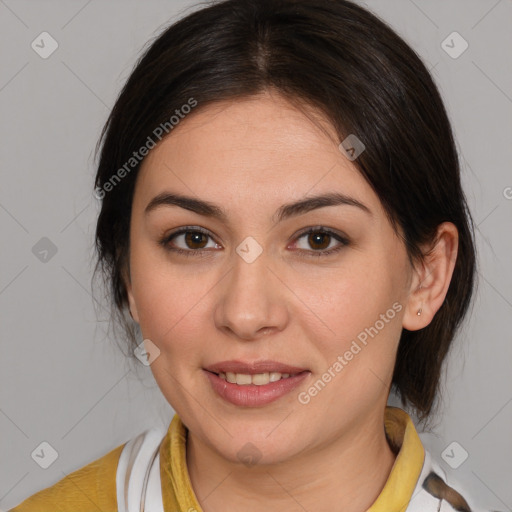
132	307
432	279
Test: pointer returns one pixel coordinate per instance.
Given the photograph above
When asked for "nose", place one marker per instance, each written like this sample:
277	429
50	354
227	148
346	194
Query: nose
252	300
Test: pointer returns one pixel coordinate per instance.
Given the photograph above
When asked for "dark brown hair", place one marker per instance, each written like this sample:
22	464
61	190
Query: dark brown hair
348	65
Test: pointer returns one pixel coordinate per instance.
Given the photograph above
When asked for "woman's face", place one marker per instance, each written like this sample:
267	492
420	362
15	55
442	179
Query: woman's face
250	286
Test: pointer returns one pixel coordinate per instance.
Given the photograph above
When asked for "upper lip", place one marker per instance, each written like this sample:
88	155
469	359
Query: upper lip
254	367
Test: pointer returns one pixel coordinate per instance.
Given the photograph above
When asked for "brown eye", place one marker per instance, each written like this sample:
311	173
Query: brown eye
189	242
195	239
319	240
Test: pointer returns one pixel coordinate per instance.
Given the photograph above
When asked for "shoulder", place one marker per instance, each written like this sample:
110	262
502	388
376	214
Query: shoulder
97	486
92	487
138	472
435	491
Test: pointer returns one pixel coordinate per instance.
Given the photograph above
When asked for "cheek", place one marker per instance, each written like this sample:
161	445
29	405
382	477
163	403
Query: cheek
359	309
346	299
356	354
170	300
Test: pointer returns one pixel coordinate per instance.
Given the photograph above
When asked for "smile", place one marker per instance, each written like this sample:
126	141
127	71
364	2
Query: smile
258	379
254	390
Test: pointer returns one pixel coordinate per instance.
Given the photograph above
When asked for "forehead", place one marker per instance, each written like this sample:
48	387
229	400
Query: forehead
259	148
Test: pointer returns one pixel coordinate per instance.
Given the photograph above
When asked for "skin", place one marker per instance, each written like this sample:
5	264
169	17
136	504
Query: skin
250	157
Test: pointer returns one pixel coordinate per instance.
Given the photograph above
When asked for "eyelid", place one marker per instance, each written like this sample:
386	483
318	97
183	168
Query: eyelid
340	237
165	239
314	229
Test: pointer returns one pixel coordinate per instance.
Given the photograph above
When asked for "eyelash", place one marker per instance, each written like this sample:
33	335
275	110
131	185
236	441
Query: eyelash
164	242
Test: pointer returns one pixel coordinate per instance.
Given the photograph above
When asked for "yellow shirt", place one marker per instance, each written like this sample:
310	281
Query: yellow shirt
93	487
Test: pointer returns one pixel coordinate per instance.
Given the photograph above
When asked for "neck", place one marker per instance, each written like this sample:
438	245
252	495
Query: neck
349	471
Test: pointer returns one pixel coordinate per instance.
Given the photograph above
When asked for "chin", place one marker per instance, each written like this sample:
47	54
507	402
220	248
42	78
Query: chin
253	443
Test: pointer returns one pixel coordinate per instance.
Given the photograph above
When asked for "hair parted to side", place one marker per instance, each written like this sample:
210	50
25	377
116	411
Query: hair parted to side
345	63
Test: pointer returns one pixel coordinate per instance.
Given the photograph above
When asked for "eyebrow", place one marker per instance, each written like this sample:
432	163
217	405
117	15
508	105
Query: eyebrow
284	212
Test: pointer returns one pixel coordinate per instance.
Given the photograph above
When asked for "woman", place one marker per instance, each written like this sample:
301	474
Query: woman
282	216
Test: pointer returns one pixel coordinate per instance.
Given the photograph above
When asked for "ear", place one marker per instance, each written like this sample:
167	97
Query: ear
431	278
131	301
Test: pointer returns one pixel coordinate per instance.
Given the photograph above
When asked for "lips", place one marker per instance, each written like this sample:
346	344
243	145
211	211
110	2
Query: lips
253	383
253	367
251	395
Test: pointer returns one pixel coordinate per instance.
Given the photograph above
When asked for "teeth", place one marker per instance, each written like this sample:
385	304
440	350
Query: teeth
242	379
259	379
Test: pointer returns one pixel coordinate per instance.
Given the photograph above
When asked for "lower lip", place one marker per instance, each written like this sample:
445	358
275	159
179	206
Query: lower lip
251	395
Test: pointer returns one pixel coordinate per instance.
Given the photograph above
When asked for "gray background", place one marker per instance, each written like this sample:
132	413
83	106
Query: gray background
64	379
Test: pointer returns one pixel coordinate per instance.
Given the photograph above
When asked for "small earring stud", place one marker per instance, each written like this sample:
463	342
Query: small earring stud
419	312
